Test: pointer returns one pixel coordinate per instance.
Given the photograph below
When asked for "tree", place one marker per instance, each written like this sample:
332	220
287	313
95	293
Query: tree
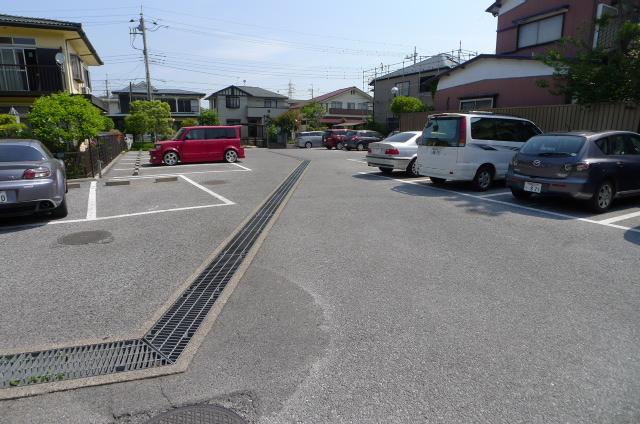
189	122
312	113
288	121
593	75
10	128
208	117
61	117
149	117
405	104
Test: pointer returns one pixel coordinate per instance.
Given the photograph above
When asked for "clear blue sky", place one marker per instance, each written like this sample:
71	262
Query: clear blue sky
211	44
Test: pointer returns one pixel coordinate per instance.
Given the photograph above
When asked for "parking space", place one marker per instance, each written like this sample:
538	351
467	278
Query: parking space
624	214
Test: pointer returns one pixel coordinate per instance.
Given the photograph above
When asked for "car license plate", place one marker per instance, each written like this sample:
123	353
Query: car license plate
3	197
532	187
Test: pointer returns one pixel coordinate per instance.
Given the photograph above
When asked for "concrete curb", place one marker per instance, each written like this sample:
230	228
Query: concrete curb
165	179
117	183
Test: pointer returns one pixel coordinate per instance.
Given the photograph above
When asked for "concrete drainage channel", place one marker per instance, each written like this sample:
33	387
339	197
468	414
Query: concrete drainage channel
167	339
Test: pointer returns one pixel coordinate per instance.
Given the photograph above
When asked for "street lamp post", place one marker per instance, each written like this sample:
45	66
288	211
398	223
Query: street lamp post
394	94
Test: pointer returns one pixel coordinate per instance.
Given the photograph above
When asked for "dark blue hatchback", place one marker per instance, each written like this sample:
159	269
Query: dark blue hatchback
595	167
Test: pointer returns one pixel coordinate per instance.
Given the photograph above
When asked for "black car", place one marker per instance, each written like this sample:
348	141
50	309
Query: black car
360	140
595	167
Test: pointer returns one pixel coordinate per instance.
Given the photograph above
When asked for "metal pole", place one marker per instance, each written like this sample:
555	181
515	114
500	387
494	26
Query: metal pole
146	55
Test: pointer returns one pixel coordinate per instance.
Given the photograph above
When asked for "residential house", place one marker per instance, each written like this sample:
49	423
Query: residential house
248	106
344	108
43	56
413	80
526	29
183	103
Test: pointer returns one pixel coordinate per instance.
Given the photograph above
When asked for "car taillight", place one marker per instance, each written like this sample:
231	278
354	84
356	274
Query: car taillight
33	173
392	152
462	141
355	138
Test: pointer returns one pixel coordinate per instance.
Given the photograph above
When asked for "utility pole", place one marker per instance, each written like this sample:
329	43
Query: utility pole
291	90
311	91
106	84
142	30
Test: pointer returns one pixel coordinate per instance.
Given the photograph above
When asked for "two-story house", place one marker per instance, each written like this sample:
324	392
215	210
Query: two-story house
413	80
346	107
43	56
183	103
526	29
248	106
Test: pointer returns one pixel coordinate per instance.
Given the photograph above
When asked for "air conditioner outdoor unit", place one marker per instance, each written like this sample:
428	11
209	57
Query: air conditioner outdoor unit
86	90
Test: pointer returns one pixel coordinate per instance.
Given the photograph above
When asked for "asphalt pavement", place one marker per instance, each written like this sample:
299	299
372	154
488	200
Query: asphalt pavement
372	299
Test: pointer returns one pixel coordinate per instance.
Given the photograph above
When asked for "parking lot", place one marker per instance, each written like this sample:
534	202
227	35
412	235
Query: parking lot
371	296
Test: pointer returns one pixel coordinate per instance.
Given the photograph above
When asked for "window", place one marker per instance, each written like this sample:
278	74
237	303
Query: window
195	105
502	129
351	105
546	145
267	103
336	105
233	122
618	145
219	133
18	40
13	77
634	147
442	132
87	78
233	102
171	103
540	32
400	137
196	134
76	67
13	153
425	84
184	105
363	106
476	104
404	88
483	129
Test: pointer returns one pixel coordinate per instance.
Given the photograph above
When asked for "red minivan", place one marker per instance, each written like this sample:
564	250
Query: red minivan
199	144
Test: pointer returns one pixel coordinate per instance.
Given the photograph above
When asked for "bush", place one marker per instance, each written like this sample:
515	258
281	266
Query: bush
142	146
188	122
208	117
406	104
10	128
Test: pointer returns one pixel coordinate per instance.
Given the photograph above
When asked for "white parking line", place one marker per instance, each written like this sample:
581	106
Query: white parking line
513	205
357	160
495	194
240	166
91	203
206	190
176	174
619	218
121	169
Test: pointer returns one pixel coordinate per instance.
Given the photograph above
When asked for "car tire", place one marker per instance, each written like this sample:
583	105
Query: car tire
61	211
339	146
520	194
483	179
230	156
360	147
602	197
386	171
412	169
171	158
308	145
437	181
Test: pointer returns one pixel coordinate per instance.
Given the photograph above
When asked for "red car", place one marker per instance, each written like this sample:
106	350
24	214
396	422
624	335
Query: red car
199	144
334	139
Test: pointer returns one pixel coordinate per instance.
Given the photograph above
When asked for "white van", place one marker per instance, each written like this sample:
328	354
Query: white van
475	146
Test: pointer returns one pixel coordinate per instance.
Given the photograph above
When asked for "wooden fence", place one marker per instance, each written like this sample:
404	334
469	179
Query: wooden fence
597	117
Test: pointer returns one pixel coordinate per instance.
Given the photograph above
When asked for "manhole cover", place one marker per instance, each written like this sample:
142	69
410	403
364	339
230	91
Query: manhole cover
214	182
198	414
86	237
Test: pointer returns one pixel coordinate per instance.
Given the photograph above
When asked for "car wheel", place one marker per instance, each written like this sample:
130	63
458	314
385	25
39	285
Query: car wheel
602	197
412	169
482	180
61	211
360	147
171	158
386	171
230	156
437	181
308	145
339	146
520	194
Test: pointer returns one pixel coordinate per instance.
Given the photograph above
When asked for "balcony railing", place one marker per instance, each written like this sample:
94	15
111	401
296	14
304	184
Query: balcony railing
30	78
353	112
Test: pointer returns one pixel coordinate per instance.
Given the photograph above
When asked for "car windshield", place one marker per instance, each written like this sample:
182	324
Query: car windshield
179	134
441	132
553	145
351	133
400	137
14	153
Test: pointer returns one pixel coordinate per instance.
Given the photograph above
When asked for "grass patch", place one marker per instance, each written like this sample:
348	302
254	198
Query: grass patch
142	146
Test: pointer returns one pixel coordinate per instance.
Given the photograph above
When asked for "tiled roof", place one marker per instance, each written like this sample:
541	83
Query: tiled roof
27	22
141	88
332	94
260	92
434	63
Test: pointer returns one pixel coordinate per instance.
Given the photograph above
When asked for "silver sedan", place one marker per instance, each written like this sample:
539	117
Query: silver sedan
398	151
309	139
32	181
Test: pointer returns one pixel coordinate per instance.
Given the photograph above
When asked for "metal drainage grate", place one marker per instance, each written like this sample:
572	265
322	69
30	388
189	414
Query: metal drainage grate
76	362
168	338
173	331
198	414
